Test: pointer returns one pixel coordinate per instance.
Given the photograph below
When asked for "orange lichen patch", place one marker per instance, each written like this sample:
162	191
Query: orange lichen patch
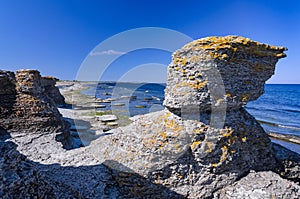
149	142
179	61
198	85
163	135
228	95
180	176
195	144
214	164
209	147
216	45
177	147
198	75
163	117
172	124
227	132
197	131
224	153
280	55
231	140
245	97
191	77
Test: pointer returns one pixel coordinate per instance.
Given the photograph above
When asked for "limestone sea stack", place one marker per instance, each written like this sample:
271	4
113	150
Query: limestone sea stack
242	65
48	82
26	106
204	140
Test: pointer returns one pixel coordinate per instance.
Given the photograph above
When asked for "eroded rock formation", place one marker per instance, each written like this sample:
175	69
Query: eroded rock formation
52	91
238	64
204	140
26	107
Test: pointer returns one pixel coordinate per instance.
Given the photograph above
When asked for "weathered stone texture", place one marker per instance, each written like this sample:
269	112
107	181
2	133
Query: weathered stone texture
52	91
26	108
243	65
179	147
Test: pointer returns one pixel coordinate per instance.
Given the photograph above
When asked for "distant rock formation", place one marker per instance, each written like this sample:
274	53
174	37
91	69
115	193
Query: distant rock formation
52	91
204	140
26	107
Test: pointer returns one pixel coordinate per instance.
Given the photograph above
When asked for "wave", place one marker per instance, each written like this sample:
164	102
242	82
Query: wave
279	125
291	110
289	127
274	110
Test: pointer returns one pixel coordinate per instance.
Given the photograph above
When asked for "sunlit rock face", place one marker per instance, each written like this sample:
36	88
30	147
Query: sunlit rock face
204	139
238	65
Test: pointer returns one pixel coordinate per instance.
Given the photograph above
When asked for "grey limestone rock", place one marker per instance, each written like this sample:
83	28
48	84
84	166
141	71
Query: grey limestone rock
26	108
236	65
204	140
260	185
52	91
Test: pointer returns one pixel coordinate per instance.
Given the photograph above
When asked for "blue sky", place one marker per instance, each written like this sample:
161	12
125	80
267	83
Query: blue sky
55	36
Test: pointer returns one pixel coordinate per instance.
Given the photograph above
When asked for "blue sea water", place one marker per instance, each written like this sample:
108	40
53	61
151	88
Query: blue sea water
277	110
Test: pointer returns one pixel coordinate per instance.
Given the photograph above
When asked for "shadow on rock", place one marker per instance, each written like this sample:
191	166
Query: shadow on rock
22	178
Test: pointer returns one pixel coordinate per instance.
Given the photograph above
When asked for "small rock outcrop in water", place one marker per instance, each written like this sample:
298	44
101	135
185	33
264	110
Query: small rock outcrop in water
26	107
204	140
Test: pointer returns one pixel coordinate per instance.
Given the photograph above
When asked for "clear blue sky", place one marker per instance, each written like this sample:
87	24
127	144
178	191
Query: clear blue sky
55	36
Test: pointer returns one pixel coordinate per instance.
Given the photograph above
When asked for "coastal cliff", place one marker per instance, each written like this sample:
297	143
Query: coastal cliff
204	144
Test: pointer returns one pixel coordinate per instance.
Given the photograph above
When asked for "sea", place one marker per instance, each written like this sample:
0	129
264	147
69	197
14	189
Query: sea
277	110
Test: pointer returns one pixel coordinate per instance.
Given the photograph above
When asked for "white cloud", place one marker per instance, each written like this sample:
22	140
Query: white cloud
107	52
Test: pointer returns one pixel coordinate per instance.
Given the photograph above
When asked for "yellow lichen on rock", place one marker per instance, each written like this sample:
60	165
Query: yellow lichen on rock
215	45
195	144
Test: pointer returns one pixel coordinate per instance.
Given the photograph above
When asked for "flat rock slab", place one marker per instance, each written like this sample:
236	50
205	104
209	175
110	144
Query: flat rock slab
140	106
98	105
107	118
118	104
111	123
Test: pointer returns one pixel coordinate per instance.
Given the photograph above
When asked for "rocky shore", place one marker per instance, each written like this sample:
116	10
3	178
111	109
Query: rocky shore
204	144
